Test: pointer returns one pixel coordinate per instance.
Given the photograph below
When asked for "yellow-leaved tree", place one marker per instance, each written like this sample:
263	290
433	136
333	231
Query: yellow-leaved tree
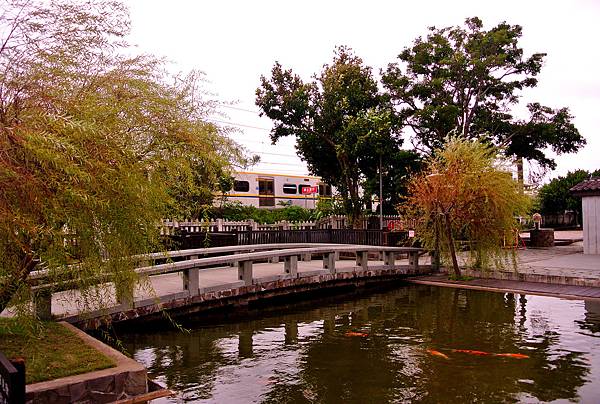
465	193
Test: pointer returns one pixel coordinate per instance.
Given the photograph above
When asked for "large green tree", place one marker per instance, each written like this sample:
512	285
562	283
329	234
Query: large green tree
555	197
338	119
95	146
464	80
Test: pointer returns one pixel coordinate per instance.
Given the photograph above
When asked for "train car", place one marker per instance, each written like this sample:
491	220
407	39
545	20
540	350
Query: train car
269	190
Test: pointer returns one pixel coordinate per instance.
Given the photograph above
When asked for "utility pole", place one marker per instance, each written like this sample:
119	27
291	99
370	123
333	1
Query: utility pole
380	194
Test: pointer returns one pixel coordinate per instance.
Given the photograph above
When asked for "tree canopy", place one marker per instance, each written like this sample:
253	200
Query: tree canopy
464	80
94	145
339	120
555	196
464	193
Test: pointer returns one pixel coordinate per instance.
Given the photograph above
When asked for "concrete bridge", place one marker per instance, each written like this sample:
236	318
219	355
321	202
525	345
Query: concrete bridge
209	278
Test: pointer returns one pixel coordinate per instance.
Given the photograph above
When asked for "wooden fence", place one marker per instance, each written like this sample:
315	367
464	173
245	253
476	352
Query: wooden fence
169	227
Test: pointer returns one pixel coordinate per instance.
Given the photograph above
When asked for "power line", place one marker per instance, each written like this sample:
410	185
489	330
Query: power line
274	154
278	164
238	124
238	108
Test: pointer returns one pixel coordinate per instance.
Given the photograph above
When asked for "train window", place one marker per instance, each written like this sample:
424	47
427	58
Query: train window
301	187
241	186
290	189
324	190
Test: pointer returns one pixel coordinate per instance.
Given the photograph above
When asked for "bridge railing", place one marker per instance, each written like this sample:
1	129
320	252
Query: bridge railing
241	258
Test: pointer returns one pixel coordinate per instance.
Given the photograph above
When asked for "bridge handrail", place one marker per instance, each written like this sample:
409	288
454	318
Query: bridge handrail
43	273
190	269
203	263
226	249
255	256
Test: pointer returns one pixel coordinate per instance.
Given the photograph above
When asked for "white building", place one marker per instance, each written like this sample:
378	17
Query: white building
589	191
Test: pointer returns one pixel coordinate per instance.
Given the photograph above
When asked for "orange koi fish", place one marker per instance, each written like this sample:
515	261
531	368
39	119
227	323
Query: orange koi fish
513	355
356	334
471	352
437	353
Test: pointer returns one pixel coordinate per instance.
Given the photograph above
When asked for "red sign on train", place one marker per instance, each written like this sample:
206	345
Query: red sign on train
309	190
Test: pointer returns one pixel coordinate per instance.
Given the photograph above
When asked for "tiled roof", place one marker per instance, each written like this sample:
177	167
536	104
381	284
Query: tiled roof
587	187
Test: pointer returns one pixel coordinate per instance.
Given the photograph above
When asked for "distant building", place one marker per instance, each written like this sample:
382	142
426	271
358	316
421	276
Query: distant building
589	190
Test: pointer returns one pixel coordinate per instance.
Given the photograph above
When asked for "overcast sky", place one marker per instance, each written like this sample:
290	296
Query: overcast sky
234	42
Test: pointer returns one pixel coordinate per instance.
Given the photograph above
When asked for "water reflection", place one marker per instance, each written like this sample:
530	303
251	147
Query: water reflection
307	355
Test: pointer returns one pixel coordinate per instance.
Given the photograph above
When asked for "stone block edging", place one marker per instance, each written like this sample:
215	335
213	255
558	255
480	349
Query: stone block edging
127	379
529	277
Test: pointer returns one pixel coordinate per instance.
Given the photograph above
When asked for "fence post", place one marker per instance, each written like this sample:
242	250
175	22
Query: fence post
220	224
12	380
290	265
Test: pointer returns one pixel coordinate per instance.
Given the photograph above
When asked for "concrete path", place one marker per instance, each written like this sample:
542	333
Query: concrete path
496	285
561	261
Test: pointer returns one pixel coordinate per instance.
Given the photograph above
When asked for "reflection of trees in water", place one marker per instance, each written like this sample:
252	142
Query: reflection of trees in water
184	360
392	363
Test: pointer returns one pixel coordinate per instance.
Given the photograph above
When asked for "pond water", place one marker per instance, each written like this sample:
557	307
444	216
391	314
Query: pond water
393	346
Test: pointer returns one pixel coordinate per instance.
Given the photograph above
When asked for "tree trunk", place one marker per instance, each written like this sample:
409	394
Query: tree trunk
11	283
520	178
451	246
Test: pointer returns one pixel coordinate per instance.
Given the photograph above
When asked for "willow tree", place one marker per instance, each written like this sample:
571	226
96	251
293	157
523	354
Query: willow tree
464	193
95	146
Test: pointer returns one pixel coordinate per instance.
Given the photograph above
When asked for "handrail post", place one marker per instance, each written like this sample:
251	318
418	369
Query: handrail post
290	265
329	262
390	259
362	259
245	272
191	281
42	304
413	261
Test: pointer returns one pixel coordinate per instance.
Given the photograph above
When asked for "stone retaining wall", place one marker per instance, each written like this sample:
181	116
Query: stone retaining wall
126	380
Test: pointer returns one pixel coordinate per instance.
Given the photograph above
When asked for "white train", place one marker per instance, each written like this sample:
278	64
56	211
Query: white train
269	191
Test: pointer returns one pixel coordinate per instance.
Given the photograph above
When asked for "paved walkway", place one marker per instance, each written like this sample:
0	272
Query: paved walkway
496	285
561	260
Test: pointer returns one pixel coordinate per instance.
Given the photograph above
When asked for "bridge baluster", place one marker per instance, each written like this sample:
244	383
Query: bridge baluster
290	265
390	258
245	272
413	261
42	304
191	279
362	259
329	261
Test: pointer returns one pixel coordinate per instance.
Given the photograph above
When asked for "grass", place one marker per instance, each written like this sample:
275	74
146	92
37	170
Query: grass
50	350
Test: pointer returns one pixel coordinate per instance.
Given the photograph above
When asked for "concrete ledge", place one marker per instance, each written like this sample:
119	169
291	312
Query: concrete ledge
124	381
225	286
538	278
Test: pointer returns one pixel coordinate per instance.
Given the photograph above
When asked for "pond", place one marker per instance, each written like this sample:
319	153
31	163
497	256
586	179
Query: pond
411	344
